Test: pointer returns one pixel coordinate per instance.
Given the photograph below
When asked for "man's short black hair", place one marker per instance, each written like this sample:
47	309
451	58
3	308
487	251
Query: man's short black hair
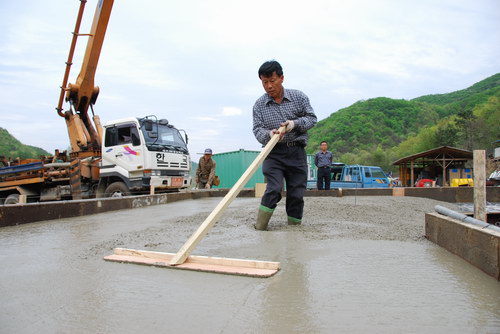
324	142
269	67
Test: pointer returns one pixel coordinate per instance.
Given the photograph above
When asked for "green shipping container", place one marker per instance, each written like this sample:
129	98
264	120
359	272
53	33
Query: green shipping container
231	166
312	172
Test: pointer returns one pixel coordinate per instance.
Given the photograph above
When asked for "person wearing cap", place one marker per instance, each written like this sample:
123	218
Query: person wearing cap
287	160
205	172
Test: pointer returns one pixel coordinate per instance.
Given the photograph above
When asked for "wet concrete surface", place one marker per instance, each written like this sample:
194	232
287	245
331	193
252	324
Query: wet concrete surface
355	265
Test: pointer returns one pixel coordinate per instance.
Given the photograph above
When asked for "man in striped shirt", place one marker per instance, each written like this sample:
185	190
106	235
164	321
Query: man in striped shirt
288	160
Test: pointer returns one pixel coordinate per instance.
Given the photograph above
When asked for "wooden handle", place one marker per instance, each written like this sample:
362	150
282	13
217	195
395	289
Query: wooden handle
210	221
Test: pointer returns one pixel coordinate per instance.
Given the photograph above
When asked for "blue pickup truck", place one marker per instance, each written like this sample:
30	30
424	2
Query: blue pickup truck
355	176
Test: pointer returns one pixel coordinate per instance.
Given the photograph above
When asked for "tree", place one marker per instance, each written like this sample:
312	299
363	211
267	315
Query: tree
465	122
446	134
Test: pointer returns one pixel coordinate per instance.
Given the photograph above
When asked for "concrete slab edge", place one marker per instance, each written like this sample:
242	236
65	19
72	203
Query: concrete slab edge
480	247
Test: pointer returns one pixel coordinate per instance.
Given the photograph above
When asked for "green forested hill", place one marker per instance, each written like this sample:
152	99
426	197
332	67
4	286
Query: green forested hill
380	130
13	148
479	90
380	121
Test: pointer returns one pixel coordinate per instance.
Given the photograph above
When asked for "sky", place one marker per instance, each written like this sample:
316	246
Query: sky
195	62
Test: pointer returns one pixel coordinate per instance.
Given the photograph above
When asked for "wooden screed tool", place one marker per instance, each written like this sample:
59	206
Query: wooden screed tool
183	260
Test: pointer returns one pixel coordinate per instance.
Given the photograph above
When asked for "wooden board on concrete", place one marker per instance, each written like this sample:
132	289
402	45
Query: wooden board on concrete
220	265
260	189
398	191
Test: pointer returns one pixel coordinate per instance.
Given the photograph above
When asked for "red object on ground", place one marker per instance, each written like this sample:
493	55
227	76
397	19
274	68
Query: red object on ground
425	183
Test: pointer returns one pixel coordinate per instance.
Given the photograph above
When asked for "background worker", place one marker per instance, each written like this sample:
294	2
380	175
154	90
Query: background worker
323	160
205	172
288	160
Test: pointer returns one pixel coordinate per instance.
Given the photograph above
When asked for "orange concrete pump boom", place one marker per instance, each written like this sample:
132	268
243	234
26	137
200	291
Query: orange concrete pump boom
84	137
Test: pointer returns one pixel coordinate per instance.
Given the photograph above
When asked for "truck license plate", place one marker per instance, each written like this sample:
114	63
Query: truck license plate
177	181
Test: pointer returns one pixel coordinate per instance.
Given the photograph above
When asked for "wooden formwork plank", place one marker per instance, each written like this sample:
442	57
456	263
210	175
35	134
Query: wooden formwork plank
398	191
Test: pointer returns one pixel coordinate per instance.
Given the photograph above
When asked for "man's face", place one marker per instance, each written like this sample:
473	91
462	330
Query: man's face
324	146
273	85
207	156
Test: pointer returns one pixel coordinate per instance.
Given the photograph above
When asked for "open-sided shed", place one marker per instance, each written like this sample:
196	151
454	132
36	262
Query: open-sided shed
432	164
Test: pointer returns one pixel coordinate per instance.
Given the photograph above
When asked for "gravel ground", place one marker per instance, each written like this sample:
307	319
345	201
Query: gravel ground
364	217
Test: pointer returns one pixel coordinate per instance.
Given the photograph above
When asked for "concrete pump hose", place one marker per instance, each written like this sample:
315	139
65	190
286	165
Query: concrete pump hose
459	216
57	164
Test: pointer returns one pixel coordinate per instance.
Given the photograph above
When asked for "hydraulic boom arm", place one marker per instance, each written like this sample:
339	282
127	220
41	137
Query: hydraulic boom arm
84	137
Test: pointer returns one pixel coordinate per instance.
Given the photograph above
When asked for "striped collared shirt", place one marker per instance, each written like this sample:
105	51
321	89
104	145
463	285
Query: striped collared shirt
268	115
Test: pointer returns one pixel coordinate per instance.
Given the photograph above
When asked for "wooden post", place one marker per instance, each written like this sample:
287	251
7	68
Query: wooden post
444	172
151	189
404	176
214	216
412	173
480	185
397	191
401	172
22	199
260	189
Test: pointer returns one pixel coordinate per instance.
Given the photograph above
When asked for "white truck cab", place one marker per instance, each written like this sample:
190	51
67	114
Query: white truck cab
140	153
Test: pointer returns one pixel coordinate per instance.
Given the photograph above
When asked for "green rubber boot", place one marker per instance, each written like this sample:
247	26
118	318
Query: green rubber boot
294	221
263	217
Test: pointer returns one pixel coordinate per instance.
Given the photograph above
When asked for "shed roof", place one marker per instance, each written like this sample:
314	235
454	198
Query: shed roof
437	154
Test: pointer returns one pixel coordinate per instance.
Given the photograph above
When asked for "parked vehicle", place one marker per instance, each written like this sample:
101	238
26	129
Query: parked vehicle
462	182
355	176
425	183
137	154
494	178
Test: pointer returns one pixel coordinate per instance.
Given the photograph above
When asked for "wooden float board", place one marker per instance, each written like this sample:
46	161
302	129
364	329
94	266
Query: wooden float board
252	268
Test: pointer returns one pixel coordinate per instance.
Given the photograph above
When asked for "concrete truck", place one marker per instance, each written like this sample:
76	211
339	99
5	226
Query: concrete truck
137	155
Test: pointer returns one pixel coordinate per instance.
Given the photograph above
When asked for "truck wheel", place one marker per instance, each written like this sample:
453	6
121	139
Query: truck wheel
12	199
117	189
